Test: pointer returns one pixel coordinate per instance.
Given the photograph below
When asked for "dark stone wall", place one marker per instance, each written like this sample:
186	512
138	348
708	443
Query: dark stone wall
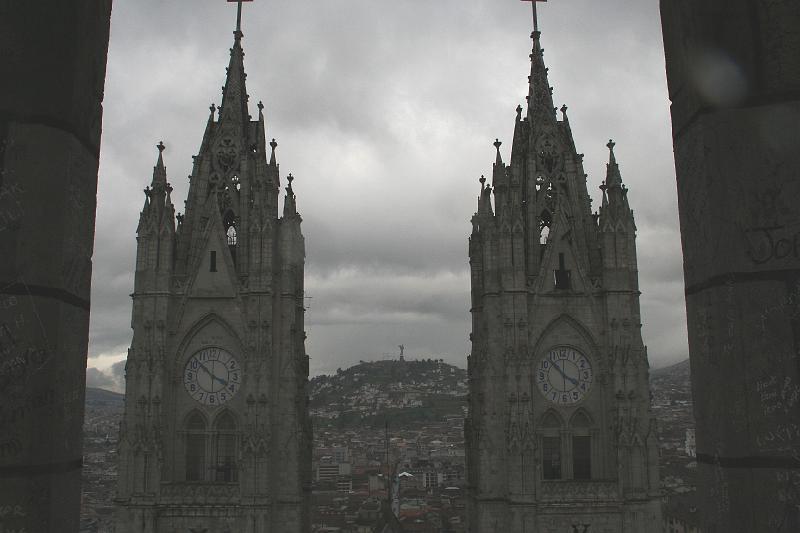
52	73
733	68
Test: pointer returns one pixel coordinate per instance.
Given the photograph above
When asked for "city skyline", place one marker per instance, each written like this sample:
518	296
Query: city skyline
386	116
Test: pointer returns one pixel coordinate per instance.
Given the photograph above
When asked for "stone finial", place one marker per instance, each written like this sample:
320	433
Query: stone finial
272	145
161	146
497	144
612	160
483	179
260	106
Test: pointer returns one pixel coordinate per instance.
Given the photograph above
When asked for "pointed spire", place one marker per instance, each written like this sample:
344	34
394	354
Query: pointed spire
613	177
499	159
485	198
604	203
160	171
540	98
234	92
611	144
272	145
289	203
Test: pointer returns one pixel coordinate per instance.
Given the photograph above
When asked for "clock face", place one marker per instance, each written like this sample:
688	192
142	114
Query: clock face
212	376
564	375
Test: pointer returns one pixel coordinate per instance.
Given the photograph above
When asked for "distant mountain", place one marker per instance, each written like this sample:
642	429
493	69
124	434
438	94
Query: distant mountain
678	370
674	381
399	390
101	397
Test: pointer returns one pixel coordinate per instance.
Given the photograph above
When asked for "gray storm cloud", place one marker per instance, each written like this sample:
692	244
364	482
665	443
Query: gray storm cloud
386	113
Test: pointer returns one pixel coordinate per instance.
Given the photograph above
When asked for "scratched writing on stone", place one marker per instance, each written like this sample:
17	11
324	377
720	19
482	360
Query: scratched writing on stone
12	511
10	447
791	300
781	437
778	395
11	210
23	342
772	243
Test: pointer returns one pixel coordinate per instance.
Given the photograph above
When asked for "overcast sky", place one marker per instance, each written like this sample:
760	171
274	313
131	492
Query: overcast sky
385	112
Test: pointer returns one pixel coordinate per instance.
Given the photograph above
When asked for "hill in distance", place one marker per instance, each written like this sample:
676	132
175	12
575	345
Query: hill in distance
401	392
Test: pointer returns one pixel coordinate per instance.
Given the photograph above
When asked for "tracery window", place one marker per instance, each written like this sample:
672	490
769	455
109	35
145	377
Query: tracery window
551	446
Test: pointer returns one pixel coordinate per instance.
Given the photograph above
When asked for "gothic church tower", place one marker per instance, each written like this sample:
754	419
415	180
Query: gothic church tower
560	437
215	437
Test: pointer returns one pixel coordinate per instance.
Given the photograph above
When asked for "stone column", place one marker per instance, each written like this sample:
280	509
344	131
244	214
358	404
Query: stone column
52	73
733	68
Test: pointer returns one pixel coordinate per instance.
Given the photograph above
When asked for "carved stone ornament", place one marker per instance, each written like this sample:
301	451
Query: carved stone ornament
594	491
548	157
225	154
199	494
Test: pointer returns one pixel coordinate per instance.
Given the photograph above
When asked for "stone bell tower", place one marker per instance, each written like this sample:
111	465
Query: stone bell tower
215	435
560	437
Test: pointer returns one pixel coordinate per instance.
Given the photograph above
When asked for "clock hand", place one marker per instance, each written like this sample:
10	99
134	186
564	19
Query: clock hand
566	377
206	369
212	376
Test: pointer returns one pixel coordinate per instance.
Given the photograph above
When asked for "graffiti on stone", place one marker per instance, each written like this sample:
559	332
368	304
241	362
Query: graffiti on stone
11	210
767	244
778	394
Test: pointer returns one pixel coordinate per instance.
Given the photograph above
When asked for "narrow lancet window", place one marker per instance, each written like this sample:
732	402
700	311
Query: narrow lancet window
195	448
562	275
545	220
225	453
551	457
581	457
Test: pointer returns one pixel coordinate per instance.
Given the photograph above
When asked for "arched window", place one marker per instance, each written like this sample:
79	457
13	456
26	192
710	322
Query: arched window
195	448
225	448
229	221
551	446
637	472
544	234
545	220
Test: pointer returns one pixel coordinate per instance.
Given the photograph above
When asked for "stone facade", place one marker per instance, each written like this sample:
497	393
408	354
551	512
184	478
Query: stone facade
215	436
734	83
53	65
560	437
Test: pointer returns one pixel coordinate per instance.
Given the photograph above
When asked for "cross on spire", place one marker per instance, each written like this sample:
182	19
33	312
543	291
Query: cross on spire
533	6
239	13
